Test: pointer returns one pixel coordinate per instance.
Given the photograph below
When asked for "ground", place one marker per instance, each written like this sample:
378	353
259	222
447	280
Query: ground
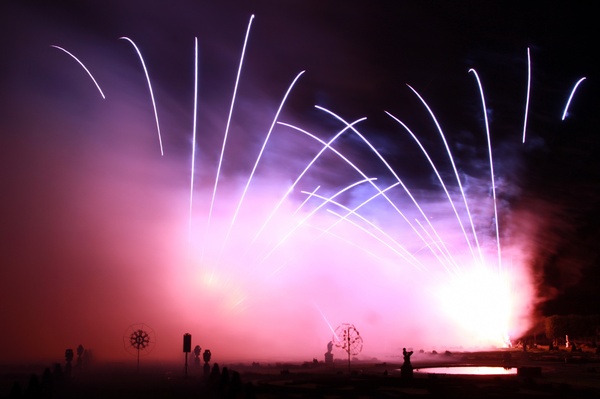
541	374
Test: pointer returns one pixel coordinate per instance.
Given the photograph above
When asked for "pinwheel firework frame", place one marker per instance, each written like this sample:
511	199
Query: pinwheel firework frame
347	337
139	338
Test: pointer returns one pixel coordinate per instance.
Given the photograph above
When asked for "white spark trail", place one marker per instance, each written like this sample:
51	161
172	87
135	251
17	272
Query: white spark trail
414	137
306	200
356	208
489	140
362	174
393	172
564	115
260	156
345	239
299	224
326	321
149	88
291	188
368	222
84	67
462	191
528	91
193	137
237	80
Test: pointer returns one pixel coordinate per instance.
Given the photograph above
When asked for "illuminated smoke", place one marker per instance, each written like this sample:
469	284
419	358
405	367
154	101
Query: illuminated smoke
123	244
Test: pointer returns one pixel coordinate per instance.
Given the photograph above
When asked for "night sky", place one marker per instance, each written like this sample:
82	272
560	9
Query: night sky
95	230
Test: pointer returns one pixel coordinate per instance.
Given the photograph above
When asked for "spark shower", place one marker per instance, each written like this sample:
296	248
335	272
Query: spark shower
291	230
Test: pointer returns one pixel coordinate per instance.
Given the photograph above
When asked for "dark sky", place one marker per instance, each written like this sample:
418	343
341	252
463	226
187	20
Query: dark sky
95	223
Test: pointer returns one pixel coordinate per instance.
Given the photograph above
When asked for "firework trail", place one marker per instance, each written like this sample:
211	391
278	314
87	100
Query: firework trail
149	88
564	115
489	141
306	200
353	212
84	67
193	135
457	177
380	192
356	208
299	224
260	155
528	91
237	80
374	150
327	322
437	173
291	188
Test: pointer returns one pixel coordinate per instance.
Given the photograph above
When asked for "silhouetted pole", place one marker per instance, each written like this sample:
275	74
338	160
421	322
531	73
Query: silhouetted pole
348	347
187	348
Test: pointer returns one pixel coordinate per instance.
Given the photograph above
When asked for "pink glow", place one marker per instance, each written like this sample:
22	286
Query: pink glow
118	248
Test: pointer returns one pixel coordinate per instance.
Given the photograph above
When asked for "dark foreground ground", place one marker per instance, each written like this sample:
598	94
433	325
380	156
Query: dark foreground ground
541	374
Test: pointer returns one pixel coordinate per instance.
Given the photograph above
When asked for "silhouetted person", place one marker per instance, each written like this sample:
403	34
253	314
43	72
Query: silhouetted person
68	358
215	374
80	352
406	371
224	380
206	357
69	355
407	356
197	351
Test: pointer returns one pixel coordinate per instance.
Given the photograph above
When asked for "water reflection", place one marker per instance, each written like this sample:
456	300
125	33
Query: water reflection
469	370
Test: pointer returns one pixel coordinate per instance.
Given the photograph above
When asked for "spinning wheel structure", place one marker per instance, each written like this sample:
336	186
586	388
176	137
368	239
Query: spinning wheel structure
347	337
137	339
